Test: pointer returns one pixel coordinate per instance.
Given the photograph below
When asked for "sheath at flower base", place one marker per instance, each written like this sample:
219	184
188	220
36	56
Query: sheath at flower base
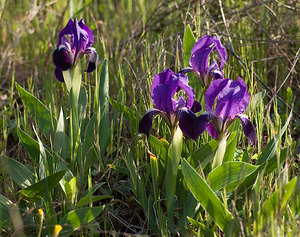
74	41
232	101
164	87
199	61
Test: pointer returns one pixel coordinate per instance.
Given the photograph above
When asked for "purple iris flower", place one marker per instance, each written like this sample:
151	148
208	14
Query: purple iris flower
199	61
74	41
232	101
164	87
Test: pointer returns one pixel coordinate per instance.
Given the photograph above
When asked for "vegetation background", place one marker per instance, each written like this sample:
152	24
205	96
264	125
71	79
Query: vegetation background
141	38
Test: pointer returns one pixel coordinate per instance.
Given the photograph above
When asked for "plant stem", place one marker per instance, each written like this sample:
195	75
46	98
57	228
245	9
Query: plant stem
218	159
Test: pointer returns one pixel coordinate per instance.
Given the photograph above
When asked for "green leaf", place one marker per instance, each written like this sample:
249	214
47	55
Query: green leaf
279	198
17	171
70	189
289	95
188	44
104	127
255	100
205	195
38	190
38	111
154	175
230	147
5	204
229	173
78	218
267	167
189	209
204	229
139	190
43	164
82	104
61	140
32	146
204	154
129	114
89	140
272	146
90	199
161	147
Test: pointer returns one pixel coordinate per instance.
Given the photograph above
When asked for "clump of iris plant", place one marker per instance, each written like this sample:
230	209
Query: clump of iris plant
74	41
164	87
199	61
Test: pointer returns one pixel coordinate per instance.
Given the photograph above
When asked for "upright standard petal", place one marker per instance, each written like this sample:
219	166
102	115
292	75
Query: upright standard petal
248	128
213	91
65	31
221	50
81	37
183	83
165	85
199	61
204	42
146	122
89	32
233	99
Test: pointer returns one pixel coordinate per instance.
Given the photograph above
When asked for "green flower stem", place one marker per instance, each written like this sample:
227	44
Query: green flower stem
218	159
171	173
72	79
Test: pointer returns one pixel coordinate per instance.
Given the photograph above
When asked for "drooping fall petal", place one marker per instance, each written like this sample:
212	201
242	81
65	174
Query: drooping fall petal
191	125
248	128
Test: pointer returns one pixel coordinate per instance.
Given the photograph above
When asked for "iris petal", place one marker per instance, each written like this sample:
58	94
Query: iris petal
89	32
213	91
81	37
191	125
204	42
65	31
146	122
233	99
165	85
215	71
61	59
59	75
249	129
221	50
212	130
196	107
93	61
199	61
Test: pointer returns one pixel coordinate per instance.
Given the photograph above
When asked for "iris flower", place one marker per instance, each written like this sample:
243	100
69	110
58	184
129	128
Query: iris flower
164	87
199	61
74	41
232	101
